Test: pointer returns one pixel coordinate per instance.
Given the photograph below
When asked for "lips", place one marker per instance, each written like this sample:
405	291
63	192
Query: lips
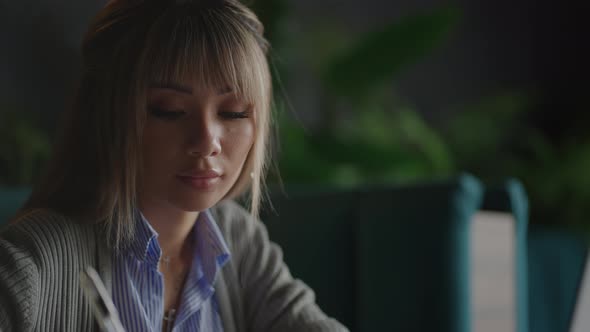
200	179
201	174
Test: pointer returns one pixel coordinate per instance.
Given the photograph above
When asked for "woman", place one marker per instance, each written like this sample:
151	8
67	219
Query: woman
170	123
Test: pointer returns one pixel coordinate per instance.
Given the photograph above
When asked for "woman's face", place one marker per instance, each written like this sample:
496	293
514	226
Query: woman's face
195	143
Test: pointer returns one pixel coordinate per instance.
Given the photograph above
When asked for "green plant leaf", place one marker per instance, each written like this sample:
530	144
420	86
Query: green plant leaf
379	55
23	149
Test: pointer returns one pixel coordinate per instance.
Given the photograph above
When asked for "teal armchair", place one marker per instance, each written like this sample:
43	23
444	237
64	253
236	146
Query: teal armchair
557	258
383	258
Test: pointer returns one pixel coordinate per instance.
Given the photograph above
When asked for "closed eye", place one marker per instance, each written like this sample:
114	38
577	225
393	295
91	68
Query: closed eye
166	114
235	115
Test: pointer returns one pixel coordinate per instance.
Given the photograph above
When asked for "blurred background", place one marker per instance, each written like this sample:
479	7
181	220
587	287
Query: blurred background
369	92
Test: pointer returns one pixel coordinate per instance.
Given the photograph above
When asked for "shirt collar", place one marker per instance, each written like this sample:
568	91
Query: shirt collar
145	246
212	251
211	254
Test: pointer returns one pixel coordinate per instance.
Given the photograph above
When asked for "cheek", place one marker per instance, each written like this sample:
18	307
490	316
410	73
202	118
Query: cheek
239	140
158	146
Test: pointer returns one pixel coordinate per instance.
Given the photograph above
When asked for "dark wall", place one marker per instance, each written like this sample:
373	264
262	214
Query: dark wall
526	45
39	57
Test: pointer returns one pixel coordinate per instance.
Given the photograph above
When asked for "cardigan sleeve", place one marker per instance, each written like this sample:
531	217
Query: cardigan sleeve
18	285
272	299
41	256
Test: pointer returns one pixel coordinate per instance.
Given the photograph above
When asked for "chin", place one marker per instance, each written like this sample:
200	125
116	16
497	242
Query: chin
196	203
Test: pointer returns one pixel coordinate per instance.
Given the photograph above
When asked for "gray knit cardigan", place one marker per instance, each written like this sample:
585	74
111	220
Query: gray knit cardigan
43	253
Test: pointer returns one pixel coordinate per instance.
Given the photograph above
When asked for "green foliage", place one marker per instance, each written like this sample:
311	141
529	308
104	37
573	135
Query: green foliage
377	147
364	136
379	55
23	149
478	134
559	184
492	140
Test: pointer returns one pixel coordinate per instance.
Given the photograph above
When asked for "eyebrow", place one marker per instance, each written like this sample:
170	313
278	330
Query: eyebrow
186	89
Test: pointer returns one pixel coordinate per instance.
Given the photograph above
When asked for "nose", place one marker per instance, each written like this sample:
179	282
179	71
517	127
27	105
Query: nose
203	140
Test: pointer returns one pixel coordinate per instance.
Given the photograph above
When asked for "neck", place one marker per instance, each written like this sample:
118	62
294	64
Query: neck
173	227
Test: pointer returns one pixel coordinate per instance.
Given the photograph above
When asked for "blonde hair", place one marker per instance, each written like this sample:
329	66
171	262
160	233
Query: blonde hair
129	45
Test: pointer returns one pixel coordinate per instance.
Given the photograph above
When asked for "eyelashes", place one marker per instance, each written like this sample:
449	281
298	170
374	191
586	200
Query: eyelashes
171	115
235	115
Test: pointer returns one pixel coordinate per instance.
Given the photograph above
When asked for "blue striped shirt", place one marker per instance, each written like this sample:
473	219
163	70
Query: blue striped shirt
138	286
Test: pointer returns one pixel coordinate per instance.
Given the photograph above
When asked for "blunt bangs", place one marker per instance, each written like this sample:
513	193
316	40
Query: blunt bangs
210	47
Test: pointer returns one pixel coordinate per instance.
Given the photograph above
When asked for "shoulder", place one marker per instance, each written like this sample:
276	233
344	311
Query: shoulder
37	249
229	215
46	237
43	228
25	246
236	224
259	283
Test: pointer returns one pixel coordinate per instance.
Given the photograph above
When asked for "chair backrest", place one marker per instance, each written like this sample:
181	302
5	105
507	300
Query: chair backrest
381	259
557	258
316	232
